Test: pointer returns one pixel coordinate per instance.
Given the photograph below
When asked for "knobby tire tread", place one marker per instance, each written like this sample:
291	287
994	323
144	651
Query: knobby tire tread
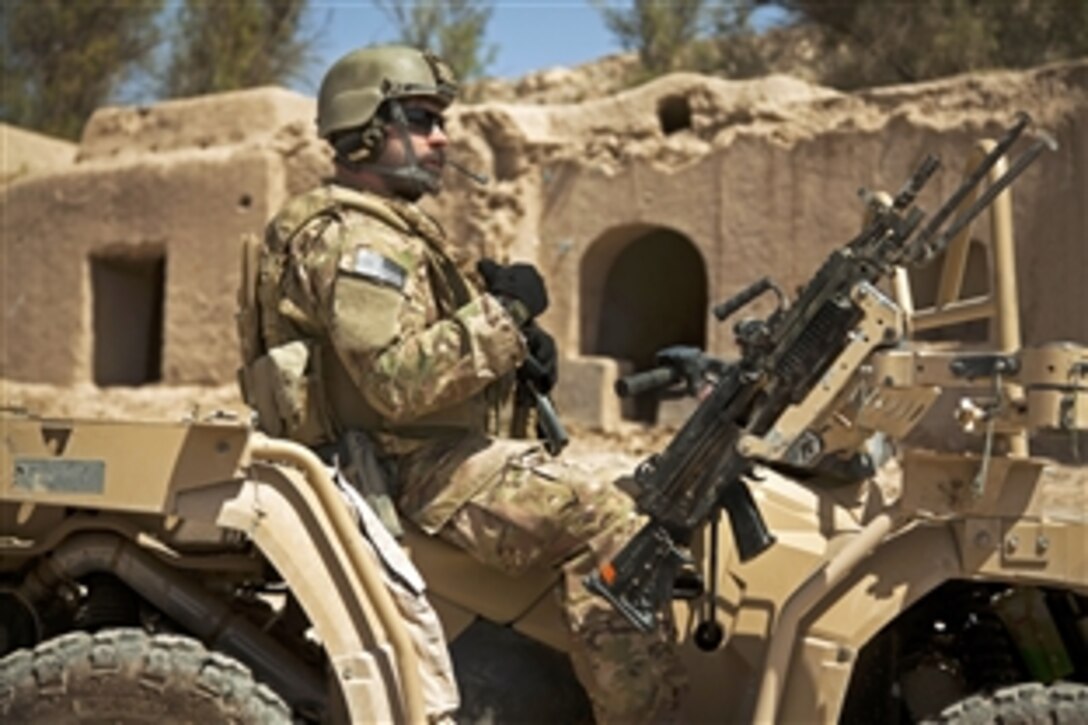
127	675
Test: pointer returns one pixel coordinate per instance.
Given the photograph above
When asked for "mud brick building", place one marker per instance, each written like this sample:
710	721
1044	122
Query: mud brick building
120	259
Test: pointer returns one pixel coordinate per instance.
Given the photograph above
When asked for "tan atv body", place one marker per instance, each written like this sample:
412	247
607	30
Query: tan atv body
224	535
207	525
199	567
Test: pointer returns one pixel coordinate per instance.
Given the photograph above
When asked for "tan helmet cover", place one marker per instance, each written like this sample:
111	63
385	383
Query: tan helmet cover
356	85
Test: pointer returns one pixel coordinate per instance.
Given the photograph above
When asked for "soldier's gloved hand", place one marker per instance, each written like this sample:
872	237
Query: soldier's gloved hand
541	367
518	286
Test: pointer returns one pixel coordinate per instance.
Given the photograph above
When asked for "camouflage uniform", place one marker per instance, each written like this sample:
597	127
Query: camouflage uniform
407	349
283	379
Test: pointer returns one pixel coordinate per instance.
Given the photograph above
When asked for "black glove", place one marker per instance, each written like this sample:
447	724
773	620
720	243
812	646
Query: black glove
519	283
541	367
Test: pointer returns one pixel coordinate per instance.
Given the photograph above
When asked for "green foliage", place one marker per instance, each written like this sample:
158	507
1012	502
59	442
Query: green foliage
873	42
660	31
64	58
224	45
737	49
452	29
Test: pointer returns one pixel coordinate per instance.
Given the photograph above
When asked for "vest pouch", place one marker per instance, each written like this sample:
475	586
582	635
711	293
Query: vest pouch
284	386
358	462
247	317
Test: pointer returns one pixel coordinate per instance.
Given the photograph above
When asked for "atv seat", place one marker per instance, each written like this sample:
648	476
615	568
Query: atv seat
454	576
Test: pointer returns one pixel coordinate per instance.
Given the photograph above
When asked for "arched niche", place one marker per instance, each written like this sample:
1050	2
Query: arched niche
641	288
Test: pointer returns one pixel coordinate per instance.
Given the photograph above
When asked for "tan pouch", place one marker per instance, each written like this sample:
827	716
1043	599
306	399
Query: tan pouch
284	387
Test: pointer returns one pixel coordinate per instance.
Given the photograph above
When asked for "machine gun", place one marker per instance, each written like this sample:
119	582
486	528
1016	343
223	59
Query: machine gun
789	359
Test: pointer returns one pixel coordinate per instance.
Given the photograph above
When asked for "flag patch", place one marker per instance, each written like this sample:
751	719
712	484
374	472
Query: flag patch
373	266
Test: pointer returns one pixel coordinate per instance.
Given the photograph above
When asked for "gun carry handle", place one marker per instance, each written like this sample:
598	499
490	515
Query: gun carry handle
742	298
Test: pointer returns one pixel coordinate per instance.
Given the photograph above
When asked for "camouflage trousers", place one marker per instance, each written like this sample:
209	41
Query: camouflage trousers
514	508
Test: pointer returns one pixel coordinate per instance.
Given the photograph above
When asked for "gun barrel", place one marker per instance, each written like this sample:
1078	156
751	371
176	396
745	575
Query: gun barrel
977	175
917	180
1041	144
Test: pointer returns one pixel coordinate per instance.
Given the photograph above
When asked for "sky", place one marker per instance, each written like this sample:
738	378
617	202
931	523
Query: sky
530	34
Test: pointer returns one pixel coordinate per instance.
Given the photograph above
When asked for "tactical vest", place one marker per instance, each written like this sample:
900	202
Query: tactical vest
287	371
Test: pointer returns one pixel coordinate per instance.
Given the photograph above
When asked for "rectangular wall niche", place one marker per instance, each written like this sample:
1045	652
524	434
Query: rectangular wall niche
127	288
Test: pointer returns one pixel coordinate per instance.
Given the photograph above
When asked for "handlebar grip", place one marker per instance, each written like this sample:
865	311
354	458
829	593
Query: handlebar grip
638	383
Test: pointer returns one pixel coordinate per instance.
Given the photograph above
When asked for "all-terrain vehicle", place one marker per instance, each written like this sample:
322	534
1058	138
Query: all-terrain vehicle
199	569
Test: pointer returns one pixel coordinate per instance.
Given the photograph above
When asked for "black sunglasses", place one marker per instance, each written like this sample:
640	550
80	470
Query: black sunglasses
423	120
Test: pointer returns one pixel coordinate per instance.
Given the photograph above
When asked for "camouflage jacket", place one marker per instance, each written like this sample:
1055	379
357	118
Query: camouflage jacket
403	345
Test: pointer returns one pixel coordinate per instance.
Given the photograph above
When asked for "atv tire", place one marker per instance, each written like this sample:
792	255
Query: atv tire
1062	703
128	676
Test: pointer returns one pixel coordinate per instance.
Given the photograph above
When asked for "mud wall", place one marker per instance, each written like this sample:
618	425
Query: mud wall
23	153
759	178
122	268
642	209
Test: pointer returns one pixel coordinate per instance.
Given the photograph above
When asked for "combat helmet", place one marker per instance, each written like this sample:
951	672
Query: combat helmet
368	80
356	85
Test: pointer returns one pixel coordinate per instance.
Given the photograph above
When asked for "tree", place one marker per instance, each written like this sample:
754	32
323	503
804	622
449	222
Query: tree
223	45
452	29
63	59
660	30
736	49
872	42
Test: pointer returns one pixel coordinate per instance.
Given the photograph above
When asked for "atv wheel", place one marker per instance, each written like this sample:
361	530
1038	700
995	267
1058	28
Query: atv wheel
1061	703
127	676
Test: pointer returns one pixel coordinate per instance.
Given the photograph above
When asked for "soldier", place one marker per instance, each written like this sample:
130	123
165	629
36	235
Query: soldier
388	357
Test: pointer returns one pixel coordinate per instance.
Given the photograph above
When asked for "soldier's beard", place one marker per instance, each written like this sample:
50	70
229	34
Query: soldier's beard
412	180
408	175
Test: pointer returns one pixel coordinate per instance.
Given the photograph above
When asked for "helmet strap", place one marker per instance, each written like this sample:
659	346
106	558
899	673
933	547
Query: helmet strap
409	177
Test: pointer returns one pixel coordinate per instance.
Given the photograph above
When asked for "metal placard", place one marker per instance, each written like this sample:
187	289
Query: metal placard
59	475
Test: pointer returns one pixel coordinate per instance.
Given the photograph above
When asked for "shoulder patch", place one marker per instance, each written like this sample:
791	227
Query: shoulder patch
370	265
